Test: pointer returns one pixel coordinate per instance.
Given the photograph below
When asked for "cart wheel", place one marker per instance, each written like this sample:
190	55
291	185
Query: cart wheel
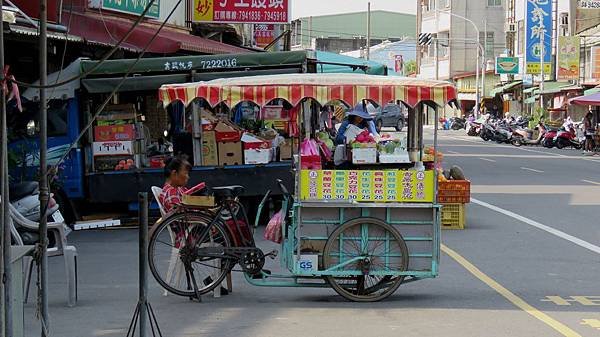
382	250
173	261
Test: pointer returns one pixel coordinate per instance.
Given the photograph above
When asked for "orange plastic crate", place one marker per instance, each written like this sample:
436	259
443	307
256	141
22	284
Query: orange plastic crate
454	199
454	185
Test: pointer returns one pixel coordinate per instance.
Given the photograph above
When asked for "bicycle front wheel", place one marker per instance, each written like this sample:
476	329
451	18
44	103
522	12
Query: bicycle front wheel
173	258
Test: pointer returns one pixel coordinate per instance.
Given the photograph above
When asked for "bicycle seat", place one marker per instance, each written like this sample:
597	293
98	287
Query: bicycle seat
21	190
227	191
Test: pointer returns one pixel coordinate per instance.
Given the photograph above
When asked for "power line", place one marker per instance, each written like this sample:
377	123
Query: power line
100	62
117	87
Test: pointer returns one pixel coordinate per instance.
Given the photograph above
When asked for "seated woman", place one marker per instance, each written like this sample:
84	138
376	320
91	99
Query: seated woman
177	171
359	118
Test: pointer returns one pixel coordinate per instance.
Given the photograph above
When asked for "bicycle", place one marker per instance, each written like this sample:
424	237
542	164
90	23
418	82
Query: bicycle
214	238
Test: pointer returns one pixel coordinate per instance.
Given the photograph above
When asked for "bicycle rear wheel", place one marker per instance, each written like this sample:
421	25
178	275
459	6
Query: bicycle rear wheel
172	255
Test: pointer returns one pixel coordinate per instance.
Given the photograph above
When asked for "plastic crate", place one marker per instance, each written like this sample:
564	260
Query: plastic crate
454	191
454	216
454	199
454	185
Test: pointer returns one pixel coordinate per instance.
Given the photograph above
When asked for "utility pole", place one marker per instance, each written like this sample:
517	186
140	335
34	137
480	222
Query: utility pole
43	268
484	53
5	275
310	31
437	58
368	31
542	71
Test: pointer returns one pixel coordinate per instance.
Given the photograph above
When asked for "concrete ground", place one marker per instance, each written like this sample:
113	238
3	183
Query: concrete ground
532	272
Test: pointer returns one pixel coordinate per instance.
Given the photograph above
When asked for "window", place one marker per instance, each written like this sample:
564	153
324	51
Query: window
487	43
520	36
443	44
494	3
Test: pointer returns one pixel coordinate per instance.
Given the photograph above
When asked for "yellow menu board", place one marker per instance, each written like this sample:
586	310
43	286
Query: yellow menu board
374	186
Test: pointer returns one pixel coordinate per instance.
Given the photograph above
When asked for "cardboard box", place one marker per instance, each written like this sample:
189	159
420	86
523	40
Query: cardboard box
227	132
118	112
230	153
255	142
258	156
285	150
112	148
114	132
274	112
364	156
385	158
210	154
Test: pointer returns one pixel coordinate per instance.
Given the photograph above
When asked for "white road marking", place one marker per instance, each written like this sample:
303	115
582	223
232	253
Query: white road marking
453	152
532	170
490	160
538	225
590	182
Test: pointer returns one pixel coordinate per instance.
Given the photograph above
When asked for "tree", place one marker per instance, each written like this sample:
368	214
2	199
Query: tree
410	67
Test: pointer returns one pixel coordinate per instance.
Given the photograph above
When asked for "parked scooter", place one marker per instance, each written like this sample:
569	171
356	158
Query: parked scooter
567	138
25	199
457	123
522	136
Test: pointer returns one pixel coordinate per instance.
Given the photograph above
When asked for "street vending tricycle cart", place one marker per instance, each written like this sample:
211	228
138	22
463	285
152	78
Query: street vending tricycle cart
362	229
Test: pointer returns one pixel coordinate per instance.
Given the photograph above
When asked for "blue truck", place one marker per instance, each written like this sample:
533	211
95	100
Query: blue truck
81	188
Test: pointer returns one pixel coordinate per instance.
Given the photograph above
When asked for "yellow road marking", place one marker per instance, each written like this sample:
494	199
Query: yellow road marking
593	323
590	182
514	299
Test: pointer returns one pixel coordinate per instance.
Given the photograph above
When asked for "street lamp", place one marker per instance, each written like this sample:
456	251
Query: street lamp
480	48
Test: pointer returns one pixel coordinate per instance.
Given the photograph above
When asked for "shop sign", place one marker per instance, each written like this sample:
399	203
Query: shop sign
134	7
263	35
507	65
398	64
538	25
367	186
596	63
568	58
589	4
242	11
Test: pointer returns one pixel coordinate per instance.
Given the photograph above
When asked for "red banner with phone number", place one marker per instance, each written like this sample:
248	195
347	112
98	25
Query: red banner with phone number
241	11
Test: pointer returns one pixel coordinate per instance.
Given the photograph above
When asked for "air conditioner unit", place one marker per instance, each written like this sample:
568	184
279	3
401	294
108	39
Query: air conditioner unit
510	27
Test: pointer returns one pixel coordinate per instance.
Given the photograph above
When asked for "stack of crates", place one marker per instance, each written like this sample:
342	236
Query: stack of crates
453	195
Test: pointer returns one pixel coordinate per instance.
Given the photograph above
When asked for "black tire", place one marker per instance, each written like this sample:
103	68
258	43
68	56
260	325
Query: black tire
400	125
516	141
457	126
186	227
65	208
547	143
378	125
560	144
360	289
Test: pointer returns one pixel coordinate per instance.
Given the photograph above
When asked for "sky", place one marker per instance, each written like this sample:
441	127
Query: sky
303	8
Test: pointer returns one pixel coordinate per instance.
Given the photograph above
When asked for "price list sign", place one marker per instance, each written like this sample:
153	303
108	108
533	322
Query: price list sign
367	186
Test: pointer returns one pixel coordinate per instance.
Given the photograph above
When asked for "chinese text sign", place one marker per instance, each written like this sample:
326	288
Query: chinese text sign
538	28
241	11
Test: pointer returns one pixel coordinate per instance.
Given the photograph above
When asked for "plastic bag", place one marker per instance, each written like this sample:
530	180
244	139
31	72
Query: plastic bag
273	230
309	147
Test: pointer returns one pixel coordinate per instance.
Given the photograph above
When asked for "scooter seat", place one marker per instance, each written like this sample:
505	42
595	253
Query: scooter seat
21	190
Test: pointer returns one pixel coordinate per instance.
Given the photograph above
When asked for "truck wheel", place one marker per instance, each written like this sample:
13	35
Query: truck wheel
65	207
400	125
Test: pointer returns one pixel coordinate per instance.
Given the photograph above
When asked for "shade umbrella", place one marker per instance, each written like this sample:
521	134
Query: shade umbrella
592	99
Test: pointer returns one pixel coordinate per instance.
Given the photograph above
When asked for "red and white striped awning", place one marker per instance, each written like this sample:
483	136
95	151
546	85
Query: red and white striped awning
324	88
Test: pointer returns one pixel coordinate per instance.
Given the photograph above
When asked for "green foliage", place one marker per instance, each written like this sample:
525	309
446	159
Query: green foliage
410	67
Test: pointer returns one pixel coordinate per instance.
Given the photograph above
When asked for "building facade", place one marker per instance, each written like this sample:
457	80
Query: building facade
347	32
455	38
